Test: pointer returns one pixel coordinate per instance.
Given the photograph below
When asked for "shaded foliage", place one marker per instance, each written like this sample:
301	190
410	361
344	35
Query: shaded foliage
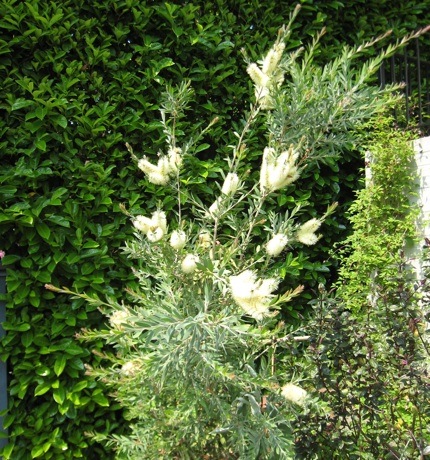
370	346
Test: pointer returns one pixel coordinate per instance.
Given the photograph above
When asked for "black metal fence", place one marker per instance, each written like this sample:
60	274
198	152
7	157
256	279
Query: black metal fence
411	70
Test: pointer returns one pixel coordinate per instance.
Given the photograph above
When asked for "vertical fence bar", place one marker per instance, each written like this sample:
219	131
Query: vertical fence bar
425	72
3	365
393	69
419	80
393	79
427	87
382	75
407	84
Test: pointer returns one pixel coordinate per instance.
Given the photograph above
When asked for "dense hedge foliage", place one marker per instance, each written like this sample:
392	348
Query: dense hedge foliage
79	79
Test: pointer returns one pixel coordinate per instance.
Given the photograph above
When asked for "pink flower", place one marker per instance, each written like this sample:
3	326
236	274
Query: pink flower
2	254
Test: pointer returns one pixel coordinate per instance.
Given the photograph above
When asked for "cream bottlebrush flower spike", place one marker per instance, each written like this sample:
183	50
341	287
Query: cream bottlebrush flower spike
278	171
118	318
270	76
205	239
294	393
189	264
276	244
252	294
229	187
130	368
231	184
214	209
154	228
178	239
306	232
167	166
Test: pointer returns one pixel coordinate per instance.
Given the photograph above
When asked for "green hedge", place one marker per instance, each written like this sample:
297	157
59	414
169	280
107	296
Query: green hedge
79	80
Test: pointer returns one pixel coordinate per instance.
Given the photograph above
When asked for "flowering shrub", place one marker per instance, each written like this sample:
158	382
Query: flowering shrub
196	355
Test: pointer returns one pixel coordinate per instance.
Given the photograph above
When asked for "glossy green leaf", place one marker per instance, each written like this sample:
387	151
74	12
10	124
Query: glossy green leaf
21	103
100	399
60	364
38	451
43	230
42	388
59	395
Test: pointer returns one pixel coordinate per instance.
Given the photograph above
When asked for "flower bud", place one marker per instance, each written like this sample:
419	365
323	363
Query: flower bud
294	393
230	185
205	239
306	233
276	244
178	239
142	223
189	264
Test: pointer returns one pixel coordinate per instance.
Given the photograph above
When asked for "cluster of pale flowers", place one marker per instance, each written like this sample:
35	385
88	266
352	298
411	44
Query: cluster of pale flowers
167	166
118	318
229	188
130	368
276	244
154	228
294	394
253	294
190	261
306	232
269	76
278	171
